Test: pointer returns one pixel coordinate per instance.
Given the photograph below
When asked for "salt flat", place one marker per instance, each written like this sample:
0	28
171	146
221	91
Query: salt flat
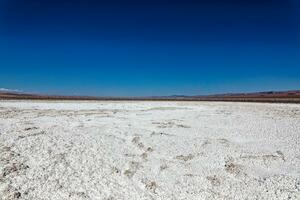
149	150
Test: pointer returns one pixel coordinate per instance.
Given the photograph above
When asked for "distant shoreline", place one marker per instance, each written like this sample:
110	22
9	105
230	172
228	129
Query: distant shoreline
261	97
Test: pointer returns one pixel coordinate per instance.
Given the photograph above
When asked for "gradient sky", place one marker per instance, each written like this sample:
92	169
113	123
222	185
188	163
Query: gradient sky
155	47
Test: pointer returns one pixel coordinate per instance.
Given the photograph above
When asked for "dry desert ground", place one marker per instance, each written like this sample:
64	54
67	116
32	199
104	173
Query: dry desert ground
149	150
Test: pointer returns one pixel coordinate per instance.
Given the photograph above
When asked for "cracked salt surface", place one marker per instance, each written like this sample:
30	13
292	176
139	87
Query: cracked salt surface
149	150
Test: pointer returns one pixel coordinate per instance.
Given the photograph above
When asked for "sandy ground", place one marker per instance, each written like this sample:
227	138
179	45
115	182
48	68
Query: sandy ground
149	150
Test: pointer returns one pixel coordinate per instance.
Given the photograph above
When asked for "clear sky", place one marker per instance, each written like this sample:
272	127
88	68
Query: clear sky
149	47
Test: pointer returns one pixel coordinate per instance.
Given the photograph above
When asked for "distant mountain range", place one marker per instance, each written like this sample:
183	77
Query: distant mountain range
292	96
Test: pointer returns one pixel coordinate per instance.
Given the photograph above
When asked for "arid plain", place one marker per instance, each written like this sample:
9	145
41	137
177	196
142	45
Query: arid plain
149	150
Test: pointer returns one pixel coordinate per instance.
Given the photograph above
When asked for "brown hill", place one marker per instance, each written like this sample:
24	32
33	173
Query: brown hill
292	96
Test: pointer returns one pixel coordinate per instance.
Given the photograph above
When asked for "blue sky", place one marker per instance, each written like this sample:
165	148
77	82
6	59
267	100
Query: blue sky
141	48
